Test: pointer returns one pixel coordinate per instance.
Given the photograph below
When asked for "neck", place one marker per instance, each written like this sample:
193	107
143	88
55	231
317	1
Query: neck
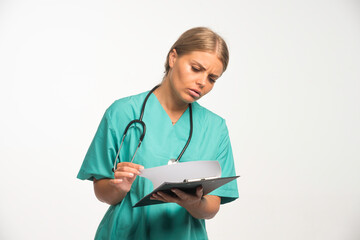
169	99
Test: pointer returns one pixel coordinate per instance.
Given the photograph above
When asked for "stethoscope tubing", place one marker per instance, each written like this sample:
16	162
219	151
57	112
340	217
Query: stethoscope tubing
140	121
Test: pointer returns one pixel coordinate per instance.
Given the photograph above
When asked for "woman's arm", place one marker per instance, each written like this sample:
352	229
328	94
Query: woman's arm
107	191
113	191
199	206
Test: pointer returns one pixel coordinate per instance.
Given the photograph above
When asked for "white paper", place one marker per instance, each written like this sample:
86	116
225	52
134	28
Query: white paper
178	172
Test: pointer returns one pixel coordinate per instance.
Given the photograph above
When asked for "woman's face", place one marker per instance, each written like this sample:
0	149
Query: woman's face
193	75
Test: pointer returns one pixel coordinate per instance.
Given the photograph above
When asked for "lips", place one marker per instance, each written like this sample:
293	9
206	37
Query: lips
195	93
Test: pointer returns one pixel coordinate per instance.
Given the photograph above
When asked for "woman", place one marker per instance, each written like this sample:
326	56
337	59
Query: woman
193	65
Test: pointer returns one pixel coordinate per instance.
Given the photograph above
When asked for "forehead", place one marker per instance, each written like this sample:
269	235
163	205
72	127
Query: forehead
209	60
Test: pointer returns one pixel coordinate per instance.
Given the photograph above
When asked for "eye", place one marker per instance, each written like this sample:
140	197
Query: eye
212	80
195	69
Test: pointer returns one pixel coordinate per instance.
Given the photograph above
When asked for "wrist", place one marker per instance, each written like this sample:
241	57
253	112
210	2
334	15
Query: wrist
197	209
207	207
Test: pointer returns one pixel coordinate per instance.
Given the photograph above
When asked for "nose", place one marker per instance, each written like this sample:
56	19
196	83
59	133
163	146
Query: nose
201	80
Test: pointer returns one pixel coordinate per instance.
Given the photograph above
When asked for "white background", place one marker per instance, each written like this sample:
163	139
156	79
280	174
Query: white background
290	97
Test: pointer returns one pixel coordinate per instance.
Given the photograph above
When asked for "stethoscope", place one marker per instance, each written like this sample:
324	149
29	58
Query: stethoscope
171	161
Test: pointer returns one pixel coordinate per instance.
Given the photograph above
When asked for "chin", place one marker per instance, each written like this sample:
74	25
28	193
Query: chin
189	99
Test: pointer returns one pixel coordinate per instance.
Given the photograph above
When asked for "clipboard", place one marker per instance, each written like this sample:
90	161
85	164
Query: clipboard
188	186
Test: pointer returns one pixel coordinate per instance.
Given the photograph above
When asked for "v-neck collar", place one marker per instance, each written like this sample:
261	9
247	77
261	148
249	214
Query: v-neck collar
168	121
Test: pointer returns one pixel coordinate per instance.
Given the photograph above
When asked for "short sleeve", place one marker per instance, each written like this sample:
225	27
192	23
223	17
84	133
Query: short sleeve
228	192
99	158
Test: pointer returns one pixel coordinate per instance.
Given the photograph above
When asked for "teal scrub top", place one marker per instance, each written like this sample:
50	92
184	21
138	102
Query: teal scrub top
163	141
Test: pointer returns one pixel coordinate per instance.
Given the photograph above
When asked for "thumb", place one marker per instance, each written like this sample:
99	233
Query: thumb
200	191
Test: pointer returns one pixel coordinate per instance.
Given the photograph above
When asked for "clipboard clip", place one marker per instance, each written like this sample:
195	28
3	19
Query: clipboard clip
198	179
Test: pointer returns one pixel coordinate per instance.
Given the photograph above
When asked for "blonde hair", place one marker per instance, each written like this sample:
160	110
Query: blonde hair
200	39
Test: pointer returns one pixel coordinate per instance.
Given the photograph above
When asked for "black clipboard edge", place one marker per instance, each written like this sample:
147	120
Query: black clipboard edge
208	185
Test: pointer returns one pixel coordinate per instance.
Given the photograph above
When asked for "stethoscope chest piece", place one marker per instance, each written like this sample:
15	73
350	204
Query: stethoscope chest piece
172	161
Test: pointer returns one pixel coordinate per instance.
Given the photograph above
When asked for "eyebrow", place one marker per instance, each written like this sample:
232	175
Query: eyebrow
203	68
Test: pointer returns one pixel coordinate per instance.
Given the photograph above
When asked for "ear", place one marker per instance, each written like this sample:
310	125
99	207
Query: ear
172	58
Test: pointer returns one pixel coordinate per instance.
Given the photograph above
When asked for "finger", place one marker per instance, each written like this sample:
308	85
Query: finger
127	169
119	174
167	197
180	194
157	196
200	192
129	164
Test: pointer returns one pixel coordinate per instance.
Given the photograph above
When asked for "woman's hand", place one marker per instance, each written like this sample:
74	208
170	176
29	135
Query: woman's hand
113	191
199	206
125	175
